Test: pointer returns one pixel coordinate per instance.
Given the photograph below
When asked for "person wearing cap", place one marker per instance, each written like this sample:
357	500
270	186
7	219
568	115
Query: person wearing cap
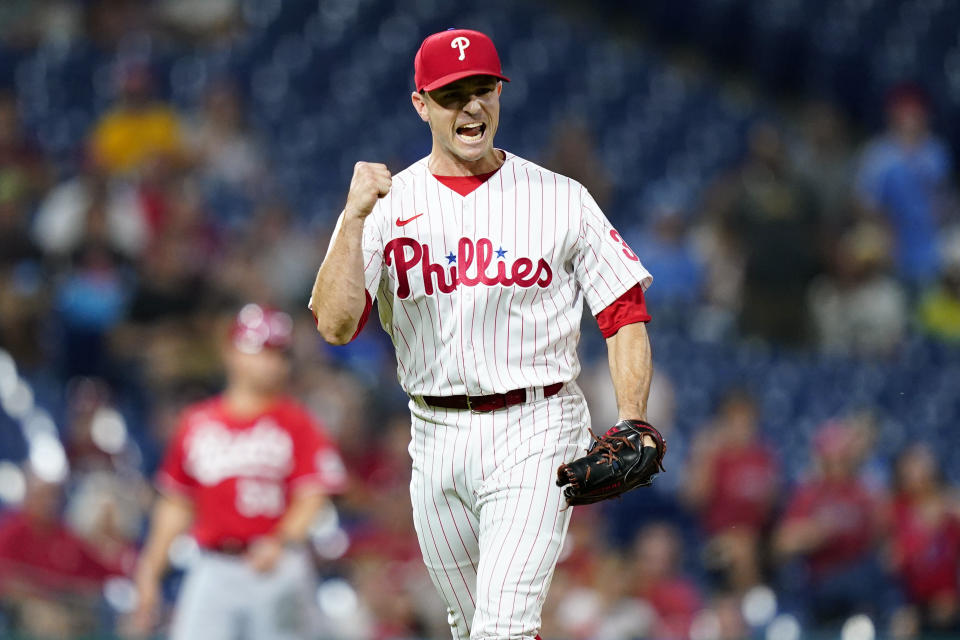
246	473
827	545
905	176
480	262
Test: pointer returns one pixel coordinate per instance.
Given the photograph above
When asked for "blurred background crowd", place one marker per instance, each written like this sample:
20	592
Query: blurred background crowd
784	168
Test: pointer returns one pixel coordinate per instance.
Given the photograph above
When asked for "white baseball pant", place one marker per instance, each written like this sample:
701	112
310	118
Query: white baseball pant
489	517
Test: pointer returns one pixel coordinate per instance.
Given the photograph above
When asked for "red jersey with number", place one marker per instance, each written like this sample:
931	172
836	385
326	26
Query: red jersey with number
240	472
927	549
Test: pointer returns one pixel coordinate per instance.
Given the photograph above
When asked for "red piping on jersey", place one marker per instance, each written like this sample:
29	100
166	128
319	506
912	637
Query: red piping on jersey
464	185
627	309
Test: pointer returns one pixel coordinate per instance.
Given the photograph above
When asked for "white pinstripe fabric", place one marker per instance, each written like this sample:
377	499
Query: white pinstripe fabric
488	515
486	510
486	338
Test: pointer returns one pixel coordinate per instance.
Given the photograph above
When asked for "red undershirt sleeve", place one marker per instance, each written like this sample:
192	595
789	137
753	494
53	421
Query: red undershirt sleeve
367	305
627	309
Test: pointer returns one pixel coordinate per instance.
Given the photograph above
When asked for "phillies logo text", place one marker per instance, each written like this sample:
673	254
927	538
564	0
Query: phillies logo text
523	272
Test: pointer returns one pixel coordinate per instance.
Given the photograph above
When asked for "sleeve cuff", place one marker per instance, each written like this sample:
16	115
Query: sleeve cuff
316	483
165	483
627	309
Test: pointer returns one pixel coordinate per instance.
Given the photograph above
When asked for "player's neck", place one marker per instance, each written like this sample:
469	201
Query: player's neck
441	163
244	402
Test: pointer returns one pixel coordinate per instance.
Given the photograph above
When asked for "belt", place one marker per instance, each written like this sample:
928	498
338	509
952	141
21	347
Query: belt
491	402
229	547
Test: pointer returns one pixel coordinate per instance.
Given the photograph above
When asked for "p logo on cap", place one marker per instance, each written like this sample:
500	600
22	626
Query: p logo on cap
462	43
443	59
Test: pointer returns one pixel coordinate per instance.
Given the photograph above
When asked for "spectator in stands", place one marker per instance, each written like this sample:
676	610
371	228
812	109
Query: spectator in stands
732	482
388	594
724	617
939	311
50	580
171	284
22	292
573	152
109	22
138	129
857	307
285	252
597	602
24	172
16	245
724	264
91	207
657	579
25	24
824	160
827	538
90	300
903	175
668	252
168	299
773	217
223	145
106	510
925	545
211	22
86	399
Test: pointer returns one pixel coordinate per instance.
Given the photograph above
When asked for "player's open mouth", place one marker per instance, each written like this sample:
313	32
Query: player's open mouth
471	132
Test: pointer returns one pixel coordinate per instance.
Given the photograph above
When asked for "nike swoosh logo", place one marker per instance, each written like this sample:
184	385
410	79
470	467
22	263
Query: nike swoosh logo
400	222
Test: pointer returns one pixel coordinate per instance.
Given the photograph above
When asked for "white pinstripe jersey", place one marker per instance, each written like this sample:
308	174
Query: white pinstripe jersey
484	293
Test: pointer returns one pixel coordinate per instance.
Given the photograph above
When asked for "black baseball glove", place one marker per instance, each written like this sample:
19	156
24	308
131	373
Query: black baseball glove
615	463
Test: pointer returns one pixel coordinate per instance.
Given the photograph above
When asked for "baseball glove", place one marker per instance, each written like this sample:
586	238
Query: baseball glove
615	463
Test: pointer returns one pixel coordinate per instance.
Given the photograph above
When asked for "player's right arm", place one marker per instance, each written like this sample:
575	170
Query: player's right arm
339	292
172	515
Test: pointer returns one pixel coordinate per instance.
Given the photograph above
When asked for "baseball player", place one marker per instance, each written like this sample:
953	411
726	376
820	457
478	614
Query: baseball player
249	469
480	262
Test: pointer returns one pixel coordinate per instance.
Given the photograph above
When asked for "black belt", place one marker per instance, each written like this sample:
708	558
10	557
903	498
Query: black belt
230	547
487	403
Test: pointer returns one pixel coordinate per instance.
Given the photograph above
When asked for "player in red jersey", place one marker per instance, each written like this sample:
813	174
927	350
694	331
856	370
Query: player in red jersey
246	472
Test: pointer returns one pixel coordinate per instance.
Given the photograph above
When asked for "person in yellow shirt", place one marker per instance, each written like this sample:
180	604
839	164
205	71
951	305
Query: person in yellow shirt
939	310
138	129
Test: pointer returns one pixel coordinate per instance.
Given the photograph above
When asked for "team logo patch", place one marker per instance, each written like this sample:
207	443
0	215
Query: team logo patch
470	266
462	43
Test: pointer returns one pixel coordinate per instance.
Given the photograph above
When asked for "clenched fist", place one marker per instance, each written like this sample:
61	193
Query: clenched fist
370	182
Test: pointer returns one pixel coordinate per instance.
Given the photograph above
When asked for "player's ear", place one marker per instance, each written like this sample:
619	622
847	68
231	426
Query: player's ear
420	104
499	87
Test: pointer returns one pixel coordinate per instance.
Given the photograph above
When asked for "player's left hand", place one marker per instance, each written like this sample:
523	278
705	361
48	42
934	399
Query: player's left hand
264	553
627	456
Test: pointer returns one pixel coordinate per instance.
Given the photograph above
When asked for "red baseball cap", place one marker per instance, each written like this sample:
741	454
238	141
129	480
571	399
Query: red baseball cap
447	56
257	328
